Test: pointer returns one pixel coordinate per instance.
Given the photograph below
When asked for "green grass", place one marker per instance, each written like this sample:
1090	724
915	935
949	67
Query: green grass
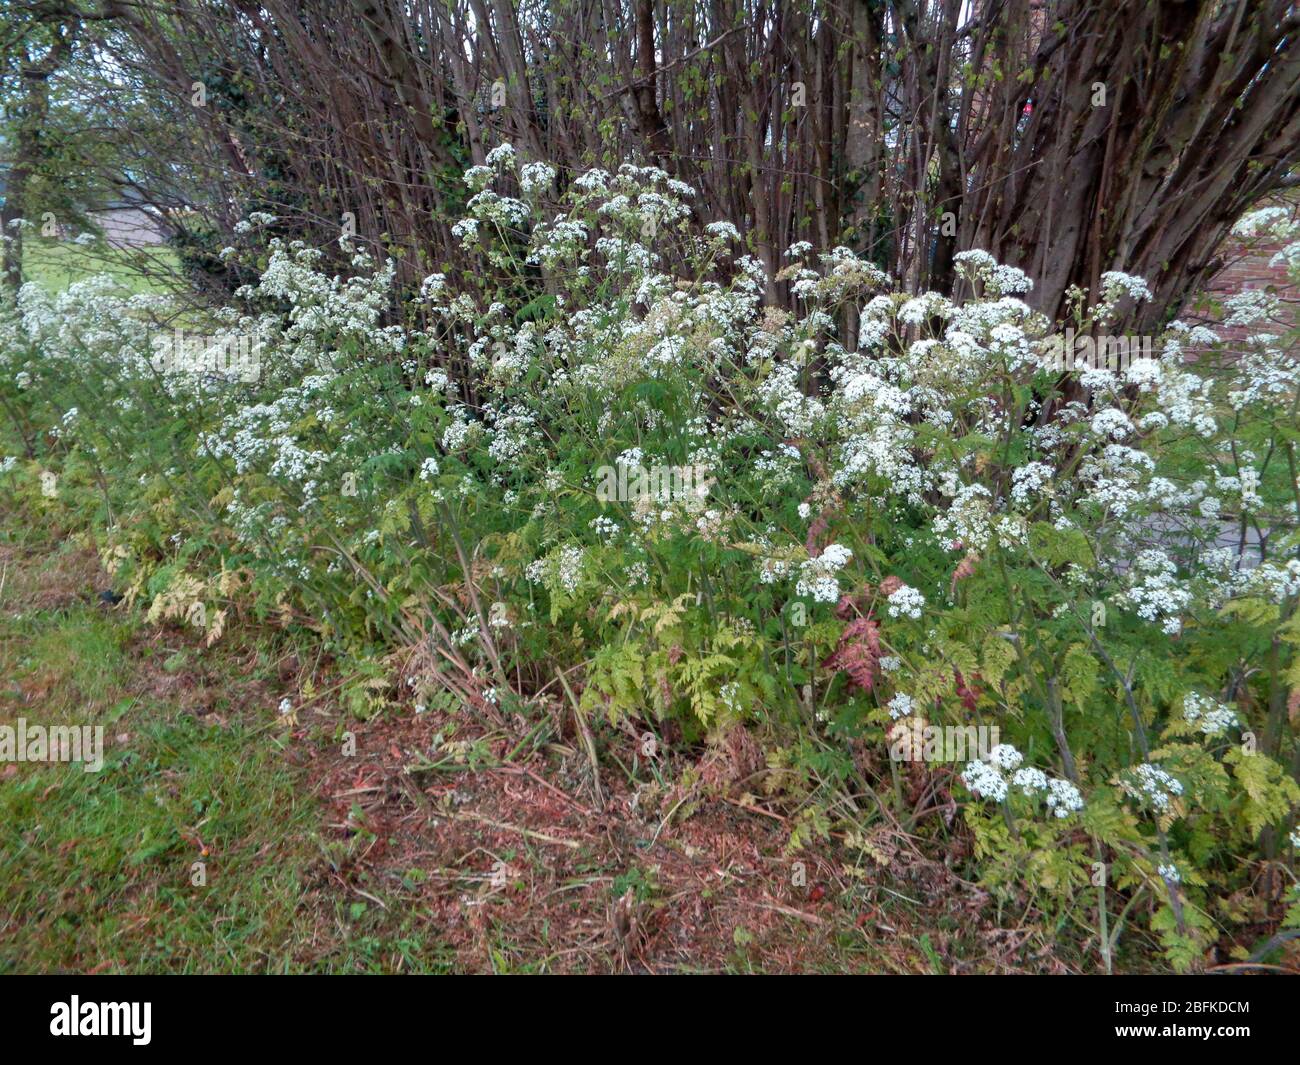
97	868
56	264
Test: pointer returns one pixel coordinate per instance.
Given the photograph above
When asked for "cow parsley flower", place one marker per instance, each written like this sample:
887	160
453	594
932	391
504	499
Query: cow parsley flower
1277	580
536	177
1155	593
1112	423
906	602
1267	221
1029	780
1029	481
1063	798
1005	756
1209	715
502	156
1149	783
817	575
984	781
1114	283
477	177
900	706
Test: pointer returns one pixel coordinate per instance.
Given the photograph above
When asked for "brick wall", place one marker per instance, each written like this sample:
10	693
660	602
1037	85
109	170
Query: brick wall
1248	268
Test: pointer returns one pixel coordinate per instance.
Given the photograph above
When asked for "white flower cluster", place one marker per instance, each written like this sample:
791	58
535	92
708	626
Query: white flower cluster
1155	593
1030	480
906	602
1209	715
1005	757
998	280
989	780
536	177
900	706
1251	307
1115	284
1151	784
1275	579
1274	222
561	569
985	781
1029	781
1063	798
817	575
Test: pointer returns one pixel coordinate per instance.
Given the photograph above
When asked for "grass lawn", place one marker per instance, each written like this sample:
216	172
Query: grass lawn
97	869
56	264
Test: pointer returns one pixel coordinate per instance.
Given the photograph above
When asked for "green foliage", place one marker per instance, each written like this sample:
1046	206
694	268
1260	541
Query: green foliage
886	534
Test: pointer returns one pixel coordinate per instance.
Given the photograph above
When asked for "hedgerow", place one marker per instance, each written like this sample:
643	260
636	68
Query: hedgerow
582	477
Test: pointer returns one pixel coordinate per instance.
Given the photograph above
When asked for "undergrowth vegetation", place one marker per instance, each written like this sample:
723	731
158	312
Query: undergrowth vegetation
575	477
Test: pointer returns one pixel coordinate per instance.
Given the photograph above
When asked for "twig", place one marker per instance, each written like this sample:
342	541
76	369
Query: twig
789	911
513	828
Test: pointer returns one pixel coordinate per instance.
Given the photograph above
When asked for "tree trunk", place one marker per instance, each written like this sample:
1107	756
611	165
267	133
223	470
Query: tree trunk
33	112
